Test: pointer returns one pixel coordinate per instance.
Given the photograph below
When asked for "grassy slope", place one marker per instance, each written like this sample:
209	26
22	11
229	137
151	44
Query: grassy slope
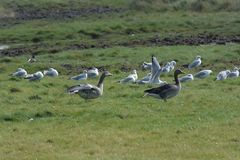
201	123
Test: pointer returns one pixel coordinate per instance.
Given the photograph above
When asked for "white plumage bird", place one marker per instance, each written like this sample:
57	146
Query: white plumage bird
130	78
166	68
51	72
234	73
222	75
20	72
92	73
186	78
156	70
172	65
36	76
203	74
146	65
197	62
82	76
145	79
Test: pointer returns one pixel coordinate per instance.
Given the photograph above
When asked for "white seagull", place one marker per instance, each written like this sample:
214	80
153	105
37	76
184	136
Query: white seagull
145	79
92	73
146	65
197	62
51	72
156	70
36	76
166	68
130	78
203	74
82	76
234	73
186	78
222	75
20	72
172	65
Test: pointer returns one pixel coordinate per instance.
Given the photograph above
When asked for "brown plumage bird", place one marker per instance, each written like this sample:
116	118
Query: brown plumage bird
166	91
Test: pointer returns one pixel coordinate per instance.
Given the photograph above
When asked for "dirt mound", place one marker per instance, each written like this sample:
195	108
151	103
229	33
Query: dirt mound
25	13
200	39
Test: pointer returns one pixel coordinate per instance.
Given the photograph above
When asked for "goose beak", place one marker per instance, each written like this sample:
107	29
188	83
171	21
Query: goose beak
109	74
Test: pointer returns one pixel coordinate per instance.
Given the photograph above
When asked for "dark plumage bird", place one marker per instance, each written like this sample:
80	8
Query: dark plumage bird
166	91
88	91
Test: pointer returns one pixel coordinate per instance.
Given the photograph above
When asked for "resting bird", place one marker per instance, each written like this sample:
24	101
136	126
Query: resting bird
203	74
222	75
166	68
130	78
186	78
166	91
51	72
197	62
20	72
146	65
234	73
36	76
88	91
92	73
145	79
79	77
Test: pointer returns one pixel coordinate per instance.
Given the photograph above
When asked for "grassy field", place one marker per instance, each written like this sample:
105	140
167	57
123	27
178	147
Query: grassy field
39	120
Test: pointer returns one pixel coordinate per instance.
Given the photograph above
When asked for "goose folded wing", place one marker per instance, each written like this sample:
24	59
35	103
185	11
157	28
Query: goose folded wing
77	88
159	90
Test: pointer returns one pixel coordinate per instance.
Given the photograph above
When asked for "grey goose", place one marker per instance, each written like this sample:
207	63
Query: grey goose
88	91
166	91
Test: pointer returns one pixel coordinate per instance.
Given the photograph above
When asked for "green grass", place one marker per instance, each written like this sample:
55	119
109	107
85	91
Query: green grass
39	120
201	123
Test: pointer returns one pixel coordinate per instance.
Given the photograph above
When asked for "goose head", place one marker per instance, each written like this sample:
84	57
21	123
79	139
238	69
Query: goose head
178	71
106	73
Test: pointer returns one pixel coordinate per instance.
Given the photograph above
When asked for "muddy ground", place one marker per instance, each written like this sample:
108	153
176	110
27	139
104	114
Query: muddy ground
200	39
28	13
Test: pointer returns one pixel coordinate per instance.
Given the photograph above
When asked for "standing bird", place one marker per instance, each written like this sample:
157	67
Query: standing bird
203	74
130	78
186	78
51	72
36	76
166	91
82	76
32	59
156	70
20	72
234	73
172	65
92	73
88	91
166	68
222	75
197	62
